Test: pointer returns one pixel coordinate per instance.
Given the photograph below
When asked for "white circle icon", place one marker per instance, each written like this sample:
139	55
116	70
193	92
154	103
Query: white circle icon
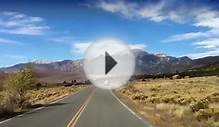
109	63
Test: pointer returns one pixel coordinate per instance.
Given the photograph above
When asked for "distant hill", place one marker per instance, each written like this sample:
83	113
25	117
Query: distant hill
211	69
211	60
54	72
146	63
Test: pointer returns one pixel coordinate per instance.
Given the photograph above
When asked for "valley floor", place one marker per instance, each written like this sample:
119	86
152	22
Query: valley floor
189	102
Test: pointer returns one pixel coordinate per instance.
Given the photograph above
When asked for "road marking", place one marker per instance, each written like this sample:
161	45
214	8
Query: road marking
75	118
36	109
62	98
5	120
130	110
33	110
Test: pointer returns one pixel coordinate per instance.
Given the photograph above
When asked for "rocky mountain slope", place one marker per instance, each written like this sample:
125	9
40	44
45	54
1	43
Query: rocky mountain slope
146	63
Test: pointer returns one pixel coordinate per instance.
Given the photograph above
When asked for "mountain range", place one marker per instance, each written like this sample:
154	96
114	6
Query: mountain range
146	63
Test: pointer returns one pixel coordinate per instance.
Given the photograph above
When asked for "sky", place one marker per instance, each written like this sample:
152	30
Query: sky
46	30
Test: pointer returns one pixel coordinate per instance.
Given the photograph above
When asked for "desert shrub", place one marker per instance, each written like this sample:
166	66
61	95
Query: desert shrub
203	114
196	106
143	80
87	82
155	89
139	96
38	85
16	86
9	104
176	110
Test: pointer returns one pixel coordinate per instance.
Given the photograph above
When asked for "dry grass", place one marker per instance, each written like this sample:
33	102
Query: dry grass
46	95
188	102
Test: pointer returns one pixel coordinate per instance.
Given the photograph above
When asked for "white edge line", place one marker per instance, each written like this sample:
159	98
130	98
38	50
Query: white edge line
130	110
5	120
36	109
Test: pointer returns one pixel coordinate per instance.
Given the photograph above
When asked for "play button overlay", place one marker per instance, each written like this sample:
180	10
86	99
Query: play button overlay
109	63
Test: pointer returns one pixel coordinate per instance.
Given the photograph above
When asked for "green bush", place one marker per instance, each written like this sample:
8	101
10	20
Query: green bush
17	84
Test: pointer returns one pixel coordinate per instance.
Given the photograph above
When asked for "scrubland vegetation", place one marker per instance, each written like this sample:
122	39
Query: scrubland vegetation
45	95
187	102
19	92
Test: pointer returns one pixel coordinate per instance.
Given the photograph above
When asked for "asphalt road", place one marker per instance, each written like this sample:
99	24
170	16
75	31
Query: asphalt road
91	107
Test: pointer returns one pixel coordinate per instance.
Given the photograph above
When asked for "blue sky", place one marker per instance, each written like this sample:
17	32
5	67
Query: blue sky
50	31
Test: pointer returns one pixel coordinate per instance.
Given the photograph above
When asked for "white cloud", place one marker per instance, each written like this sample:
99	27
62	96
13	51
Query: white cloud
80	48
154	11
214	52
211	43
128	9
118	7
205	39
187	36
202	18
64	39
18	23
137	46
199	16
7	41
208	18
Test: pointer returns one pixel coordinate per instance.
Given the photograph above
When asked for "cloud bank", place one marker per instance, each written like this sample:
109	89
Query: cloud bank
196	14
81	47
22	24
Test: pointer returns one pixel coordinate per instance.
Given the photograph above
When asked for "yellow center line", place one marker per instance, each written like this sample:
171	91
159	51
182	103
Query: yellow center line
73	121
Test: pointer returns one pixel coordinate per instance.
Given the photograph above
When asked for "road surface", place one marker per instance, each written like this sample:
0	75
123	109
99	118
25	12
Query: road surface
91	107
